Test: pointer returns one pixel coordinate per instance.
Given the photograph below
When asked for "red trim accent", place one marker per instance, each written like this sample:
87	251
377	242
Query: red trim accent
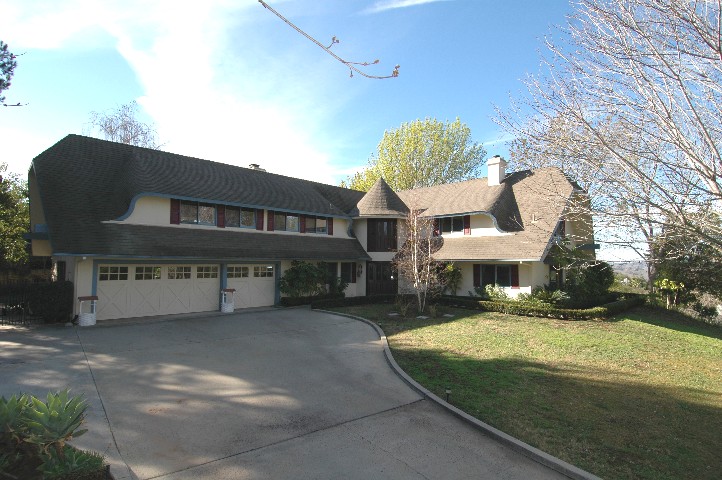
221	216
329	225
269	223
477	275
89	297
174	211
259	219
467	224
302	223
228	290
515	276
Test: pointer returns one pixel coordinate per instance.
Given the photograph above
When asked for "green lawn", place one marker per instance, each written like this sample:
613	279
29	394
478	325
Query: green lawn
639	396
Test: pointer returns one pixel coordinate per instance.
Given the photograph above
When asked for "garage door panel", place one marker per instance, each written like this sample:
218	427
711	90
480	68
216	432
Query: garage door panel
252	291
138	295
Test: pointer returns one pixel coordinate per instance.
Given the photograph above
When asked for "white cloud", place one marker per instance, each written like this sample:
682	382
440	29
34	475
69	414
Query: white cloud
198	64
384	5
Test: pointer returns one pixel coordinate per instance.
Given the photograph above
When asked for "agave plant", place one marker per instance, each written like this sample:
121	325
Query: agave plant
75	462
56	421
12	413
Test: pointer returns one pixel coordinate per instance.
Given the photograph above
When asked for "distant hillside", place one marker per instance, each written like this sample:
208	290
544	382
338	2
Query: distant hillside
631	269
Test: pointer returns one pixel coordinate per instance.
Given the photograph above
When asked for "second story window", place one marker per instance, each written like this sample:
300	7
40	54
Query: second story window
452	224
240	217
197	213
285	221
315	224
381	235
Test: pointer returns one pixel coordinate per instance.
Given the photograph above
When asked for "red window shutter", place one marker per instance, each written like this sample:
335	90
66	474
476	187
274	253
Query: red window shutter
174	211
467	224
477	275
515	276
437	227
221	216
302	223
329	225
270	221
259	219
353	273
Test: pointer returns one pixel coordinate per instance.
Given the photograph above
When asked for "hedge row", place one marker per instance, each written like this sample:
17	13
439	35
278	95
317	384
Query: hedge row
352	301
545	311
53	302
297	301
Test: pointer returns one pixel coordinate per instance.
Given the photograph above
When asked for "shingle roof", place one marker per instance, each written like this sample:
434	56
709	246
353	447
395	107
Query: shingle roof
85	181
528	208
380	200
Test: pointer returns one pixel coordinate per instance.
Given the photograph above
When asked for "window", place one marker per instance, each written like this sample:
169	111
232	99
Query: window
452	224
381	235
263	271
502	275
207	272
237	272
240	217
179	273
197	213
147	273
348	272
316	224
285	221
113	273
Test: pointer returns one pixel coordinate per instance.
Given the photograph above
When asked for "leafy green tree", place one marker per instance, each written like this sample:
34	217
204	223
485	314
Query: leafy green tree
421	154
7	69
14	217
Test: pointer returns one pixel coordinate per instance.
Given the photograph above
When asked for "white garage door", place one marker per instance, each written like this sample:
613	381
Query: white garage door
255	285
126	291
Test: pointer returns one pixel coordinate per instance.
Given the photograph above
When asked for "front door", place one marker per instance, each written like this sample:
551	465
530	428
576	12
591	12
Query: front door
381	278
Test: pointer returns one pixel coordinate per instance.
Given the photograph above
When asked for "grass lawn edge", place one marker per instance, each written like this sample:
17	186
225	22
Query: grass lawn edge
515	444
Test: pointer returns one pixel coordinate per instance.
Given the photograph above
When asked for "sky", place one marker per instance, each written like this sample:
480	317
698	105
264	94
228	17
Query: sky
227	80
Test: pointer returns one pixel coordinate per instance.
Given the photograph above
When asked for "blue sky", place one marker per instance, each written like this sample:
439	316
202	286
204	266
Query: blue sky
227	80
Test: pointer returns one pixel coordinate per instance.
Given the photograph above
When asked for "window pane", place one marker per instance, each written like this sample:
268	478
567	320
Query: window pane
321	225
233	217
346	272
207	272
503	275
248	217
207	214
189	212
292	223
263	271
279	221
237	272
311	224
446	225
458	224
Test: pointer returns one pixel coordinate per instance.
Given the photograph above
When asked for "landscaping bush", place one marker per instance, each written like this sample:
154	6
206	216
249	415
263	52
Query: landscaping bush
33	436
542	310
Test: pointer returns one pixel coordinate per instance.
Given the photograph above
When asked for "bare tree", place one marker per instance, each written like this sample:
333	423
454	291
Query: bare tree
121	125
630	106
414	262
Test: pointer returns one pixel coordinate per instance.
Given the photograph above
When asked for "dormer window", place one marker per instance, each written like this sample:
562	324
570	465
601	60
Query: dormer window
197	213
315	224
452	224
240	217
285	221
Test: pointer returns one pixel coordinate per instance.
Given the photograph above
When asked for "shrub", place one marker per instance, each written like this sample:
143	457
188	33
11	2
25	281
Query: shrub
452	278
303	279
404	305
490	292
34	436
543	310
587	285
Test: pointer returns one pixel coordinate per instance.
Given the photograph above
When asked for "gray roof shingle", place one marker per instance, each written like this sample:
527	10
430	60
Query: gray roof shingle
380	200
86	181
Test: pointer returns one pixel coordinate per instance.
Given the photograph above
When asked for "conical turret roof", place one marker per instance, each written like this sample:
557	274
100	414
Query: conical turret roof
380	200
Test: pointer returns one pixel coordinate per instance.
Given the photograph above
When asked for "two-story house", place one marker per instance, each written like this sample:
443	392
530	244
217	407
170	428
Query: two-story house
153	233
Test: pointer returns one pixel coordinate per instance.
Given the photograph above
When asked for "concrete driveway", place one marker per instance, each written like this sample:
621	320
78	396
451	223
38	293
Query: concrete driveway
286	393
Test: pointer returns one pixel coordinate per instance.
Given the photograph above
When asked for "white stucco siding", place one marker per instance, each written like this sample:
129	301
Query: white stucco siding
531	275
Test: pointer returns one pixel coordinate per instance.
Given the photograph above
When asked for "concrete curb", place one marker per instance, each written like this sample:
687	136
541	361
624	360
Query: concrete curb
517	445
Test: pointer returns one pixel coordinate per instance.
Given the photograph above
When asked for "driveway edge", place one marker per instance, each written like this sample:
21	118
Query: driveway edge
515	444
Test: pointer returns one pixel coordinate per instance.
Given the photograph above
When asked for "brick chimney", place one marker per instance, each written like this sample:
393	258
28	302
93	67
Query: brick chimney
496	170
